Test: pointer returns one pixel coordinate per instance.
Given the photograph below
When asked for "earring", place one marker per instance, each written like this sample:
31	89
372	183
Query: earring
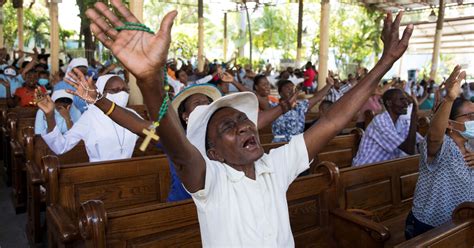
186	120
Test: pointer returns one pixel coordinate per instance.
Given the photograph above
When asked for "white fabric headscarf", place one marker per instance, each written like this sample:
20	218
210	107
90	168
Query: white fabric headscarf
102	81
76	63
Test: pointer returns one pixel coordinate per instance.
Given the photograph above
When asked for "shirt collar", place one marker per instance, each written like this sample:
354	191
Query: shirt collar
236	176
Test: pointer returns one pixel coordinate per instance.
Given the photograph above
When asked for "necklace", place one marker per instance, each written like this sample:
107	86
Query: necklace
118	138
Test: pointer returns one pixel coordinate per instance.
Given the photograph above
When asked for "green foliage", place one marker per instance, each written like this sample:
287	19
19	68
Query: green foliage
35	25
355	36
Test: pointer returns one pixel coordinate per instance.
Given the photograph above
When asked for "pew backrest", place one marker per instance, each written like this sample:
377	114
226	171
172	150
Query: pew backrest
118	183
176	224
456	233
384	188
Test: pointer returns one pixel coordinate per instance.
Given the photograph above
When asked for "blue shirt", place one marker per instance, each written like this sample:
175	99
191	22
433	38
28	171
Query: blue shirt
15	83
291	123
443	183
177	191
80	104
41	125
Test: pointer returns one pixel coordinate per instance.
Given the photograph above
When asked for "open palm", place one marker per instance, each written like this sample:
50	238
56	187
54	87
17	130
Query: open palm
140	52
453	83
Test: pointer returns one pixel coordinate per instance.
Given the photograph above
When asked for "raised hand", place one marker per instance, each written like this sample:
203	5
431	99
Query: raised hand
330	80
84	87
47	105
394	47
226	77
142	53
453	83
64	112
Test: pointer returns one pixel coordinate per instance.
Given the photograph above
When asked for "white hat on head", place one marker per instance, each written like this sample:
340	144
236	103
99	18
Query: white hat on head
208	90
76	63
102	81
10	72
245	102
60	94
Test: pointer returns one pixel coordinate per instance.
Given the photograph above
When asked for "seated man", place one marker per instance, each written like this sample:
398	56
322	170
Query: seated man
65	113
239	191
388	136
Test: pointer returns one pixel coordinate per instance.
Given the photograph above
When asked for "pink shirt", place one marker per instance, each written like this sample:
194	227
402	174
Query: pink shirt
373	103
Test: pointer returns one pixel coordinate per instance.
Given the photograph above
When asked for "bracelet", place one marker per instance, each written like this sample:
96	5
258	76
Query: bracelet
112	108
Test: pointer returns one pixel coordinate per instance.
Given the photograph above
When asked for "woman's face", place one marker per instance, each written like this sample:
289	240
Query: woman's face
263	87
466	113
287	91
192	102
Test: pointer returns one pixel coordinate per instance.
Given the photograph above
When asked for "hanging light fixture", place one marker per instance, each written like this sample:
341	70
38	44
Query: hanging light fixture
432	17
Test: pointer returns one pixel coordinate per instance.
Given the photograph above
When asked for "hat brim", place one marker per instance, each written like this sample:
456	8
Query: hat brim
245	102
208	90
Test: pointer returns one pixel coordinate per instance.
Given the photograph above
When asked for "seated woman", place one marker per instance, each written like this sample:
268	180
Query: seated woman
65	114
262	88
104	139
292	122
446	176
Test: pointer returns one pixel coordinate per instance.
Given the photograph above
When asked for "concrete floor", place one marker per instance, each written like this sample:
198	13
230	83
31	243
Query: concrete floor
12	226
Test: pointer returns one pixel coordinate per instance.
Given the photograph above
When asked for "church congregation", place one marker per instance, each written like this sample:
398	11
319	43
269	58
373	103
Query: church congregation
232	156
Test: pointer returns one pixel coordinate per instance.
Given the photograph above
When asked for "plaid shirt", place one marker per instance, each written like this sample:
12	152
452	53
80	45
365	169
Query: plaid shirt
381	140
334	95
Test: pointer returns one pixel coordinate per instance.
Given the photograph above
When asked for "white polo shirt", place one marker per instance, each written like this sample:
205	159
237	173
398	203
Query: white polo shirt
236	211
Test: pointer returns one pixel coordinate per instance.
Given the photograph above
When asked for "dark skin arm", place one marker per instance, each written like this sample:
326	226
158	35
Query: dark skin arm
439	122
319	96
144	55
343	110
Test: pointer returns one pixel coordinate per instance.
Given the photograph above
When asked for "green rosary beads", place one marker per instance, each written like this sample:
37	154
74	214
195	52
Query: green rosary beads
151	131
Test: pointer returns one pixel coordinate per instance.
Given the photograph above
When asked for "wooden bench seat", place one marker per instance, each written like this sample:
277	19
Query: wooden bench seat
119	184
383	191
7	116
456	233
176	224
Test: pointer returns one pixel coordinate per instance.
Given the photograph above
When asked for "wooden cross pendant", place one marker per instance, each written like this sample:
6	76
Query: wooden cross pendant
150	134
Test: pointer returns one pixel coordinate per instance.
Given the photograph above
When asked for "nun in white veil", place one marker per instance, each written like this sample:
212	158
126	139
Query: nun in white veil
104	139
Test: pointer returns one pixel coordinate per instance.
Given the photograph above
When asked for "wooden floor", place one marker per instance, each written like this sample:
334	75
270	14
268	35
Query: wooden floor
12	226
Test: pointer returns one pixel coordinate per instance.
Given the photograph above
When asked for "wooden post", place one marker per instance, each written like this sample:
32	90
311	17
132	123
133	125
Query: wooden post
1	27
200	35
299	47
136	7
437	40
225	37
54	34
19	15
250	33
323	44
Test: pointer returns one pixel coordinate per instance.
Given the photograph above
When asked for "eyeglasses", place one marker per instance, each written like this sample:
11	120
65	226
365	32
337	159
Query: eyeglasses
469	115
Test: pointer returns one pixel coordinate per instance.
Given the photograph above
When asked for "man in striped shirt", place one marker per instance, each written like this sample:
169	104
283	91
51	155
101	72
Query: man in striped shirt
388	136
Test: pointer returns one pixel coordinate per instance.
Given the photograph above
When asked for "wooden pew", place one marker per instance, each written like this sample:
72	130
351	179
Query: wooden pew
17	160
340	150
36	149
5	132
119	184
456	233
382	192
176	224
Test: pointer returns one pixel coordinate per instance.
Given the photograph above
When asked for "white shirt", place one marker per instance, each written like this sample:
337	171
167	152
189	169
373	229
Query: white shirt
104	139
236	211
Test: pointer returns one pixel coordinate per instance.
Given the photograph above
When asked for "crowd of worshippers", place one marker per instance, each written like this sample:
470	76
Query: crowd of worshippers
87	101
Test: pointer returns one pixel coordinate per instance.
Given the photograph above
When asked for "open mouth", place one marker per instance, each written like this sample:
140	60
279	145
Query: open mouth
250	143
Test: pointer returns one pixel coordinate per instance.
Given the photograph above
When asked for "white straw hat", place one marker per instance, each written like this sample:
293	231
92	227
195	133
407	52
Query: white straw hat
209	90
245	102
